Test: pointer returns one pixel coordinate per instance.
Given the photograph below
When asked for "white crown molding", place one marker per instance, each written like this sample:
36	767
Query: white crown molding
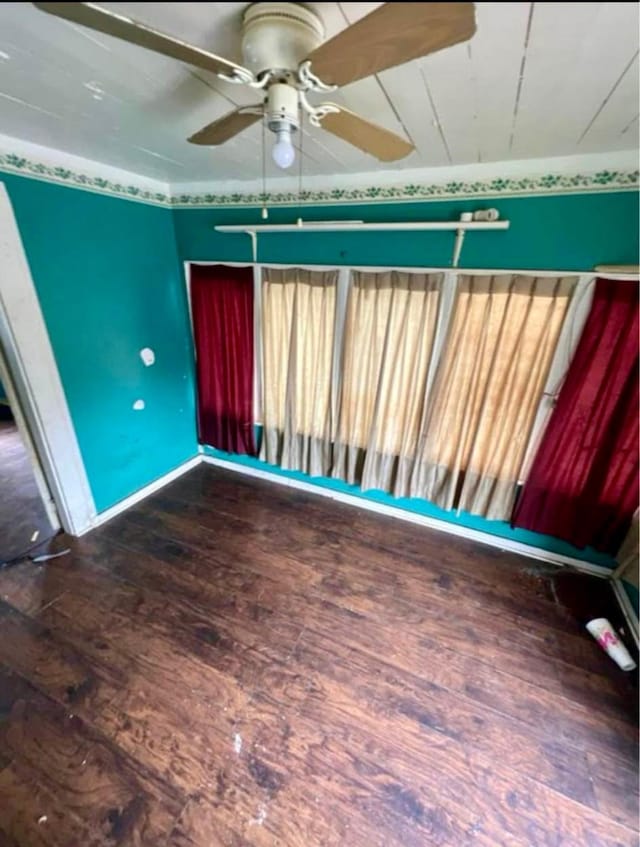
617	171
45	163
563	175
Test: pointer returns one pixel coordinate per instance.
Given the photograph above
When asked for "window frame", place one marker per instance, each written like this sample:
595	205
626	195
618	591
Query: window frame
565	347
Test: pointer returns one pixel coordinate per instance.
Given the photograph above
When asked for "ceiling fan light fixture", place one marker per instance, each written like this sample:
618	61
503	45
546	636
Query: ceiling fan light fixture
283	152
283	120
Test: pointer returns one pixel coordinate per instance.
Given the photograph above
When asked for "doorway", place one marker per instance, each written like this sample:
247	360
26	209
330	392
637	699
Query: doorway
28	516
30	361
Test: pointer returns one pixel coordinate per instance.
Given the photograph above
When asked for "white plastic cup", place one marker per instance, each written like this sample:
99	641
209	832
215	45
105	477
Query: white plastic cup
607	638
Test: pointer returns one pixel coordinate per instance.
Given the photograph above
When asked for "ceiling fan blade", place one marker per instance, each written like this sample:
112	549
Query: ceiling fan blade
119	26
391	35
226	127
371	138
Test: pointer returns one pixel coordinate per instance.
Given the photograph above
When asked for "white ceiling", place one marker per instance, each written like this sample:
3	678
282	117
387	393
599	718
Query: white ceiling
537	80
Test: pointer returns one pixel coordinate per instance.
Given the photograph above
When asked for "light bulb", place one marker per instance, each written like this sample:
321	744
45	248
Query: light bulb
283	150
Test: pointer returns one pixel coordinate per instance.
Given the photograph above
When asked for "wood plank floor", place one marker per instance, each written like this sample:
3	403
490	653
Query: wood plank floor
22	511
235	663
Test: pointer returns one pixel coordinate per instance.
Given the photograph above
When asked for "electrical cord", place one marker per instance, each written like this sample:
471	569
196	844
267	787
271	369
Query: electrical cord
27	556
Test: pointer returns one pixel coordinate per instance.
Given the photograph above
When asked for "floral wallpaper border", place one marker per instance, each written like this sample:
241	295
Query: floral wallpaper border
606	180
613	180
51	173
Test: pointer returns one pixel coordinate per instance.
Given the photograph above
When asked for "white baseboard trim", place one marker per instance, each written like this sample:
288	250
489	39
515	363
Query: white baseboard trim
432	523
628	611
372	506
142	493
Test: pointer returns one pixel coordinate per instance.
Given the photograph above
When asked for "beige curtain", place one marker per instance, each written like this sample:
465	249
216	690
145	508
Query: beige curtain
298	314
490	381
388	341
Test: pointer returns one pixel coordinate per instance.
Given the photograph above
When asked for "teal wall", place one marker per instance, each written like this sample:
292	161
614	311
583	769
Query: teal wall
562	232
109	279
109	283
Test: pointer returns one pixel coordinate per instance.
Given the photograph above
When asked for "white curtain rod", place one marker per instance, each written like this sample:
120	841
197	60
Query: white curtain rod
593	273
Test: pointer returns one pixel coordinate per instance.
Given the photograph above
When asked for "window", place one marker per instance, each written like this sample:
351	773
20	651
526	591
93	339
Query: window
425	385
298	325
388	343
490	381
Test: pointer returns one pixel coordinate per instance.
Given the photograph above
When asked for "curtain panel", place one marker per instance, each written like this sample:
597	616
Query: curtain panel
583	483
490	380
388	344
298	312
222	314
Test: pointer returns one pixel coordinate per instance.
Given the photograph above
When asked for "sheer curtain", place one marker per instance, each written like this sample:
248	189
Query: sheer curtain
298	322
490	381
388	343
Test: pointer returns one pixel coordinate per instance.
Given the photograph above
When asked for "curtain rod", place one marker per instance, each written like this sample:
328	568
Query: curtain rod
592	272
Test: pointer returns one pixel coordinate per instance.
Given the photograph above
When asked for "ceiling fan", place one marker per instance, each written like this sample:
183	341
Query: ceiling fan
286	57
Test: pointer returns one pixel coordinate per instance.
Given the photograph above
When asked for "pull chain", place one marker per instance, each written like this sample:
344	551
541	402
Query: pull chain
265	211
300	154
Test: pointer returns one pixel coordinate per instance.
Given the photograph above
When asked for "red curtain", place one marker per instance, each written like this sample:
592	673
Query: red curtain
222	312
583	484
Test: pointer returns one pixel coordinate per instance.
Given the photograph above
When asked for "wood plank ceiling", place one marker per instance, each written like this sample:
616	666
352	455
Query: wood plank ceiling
537	80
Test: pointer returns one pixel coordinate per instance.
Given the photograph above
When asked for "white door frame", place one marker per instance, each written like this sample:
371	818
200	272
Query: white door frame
34	374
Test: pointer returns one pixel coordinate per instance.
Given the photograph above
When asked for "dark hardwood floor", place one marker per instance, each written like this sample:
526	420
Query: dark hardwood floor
22	511
235	663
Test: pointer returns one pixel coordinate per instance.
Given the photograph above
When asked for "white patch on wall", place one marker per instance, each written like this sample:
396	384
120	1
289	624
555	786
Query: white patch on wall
148	356
138	405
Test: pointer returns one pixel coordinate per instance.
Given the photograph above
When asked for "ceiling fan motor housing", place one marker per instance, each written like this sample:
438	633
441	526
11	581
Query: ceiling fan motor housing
279	36
282	107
